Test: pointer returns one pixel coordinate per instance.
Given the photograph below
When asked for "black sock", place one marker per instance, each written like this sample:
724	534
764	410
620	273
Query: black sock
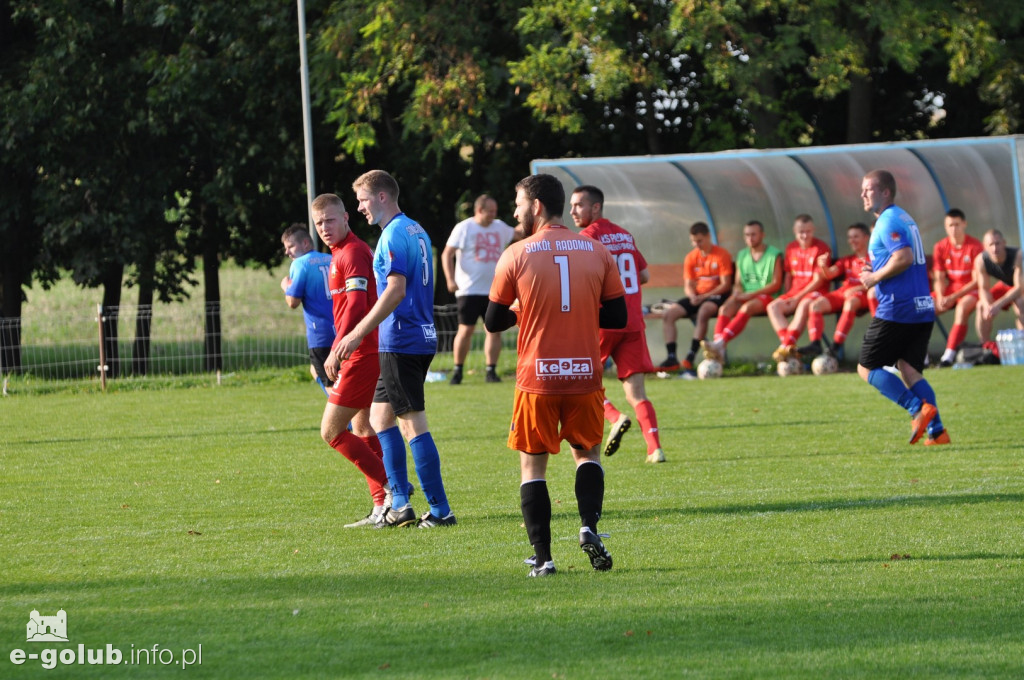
590	493
671	347
458	368
491	368
536	505
694	346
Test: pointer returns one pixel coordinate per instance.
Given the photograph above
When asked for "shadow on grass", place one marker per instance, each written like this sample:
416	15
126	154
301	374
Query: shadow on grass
428	625
827	505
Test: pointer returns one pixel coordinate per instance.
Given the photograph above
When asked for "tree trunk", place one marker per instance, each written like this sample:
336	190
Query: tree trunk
858	112
143	327
111	309
214	361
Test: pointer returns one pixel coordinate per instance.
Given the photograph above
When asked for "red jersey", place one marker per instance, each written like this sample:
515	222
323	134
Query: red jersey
630	261
560	279
850	268
353	289
802	263
956	263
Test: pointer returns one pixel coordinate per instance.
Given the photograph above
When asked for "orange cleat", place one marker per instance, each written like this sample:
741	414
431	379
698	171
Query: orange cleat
920	422
943	438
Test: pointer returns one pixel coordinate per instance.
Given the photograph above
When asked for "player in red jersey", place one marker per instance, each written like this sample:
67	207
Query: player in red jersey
803	278
953	283
567	287
353	292
628	346
851	298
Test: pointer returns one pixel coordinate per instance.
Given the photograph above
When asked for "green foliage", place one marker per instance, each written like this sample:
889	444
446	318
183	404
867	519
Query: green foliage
792	534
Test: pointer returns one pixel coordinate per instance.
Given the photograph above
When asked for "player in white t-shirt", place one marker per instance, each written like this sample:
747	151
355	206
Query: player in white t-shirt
469	259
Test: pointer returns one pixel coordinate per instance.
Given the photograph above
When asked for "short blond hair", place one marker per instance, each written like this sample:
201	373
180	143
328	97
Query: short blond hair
377	181
324	201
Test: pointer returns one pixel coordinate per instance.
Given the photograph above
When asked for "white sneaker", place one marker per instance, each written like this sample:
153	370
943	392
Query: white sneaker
375	516
656	456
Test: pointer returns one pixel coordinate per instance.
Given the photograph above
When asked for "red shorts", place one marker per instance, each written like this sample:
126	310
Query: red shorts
790	294
765	298
536	419
837	298
954	287
629	350
356	381
999	290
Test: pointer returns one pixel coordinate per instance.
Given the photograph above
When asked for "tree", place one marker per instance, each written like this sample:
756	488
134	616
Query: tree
228	91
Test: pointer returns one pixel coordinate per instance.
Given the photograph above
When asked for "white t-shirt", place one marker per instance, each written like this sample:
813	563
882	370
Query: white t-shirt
478	251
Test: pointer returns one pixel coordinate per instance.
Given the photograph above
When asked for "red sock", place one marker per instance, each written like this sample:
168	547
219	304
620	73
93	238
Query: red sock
844	325
365	460
611	414
720	325
648	424
815	326
374	445
956	335
736	326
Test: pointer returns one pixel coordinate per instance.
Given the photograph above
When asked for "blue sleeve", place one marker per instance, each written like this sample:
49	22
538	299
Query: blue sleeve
296	272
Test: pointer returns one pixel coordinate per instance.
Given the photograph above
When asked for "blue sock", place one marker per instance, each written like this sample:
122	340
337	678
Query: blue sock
892	388
428	469
393	446
924	392
321	384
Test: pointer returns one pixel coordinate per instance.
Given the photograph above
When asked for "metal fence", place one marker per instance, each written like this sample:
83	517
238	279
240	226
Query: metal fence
132	342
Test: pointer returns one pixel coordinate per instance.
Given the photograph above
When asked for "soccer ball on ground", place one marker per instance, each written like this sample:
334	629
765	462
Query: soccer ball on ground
709	369
824	365
789	367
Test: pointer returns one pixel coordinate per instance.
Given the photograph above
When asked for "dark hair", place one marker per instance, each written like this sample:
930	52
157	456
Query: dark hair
593	193
699	228
803	217
297	231
754	223
860	226
546	189
957	214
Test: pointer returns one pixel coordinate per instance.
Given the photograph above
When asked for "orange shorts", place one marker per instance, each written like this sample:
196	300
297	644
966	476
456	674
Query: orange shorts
541	421
356	381
629	350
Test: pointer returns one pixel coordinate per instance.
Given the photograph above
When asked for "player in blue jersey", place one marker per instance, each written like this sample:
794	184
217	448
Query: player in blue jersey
404	316
899	332
306	285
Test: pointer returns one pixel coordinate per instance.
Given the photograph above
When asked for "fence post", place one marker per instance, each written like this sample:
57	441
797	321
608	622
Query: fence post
102	368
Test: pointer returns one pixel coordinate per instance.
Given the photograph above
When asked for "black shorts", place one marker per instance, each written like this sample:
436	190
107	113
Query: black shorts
470	308
401	381
317	357
886	342
691	309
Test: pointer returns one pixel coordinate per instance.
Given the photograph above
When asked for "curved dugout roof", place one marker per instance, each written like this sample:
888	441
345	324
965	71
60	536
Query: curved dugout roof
659	197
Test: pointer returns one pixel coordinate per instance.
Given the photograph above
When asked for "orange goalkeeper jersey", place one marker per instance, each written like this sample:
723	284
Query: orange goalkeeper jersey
560	279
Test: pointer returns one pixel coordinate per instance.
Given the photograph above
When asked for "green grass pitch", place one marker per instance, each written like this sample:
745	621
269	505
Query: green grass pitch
792	533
